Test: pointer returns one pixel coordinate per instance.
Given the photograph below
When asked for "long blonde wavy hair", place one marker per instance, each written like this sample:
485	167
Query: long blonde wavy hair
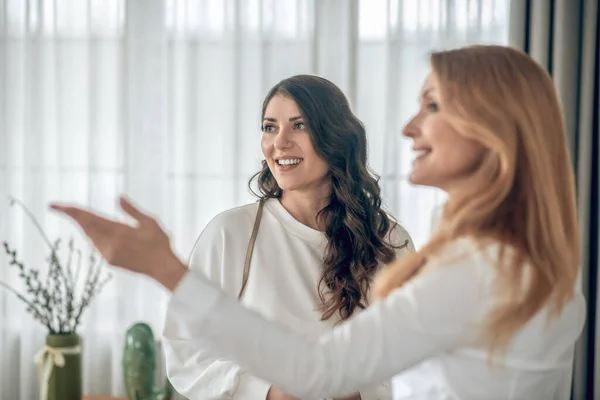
523	193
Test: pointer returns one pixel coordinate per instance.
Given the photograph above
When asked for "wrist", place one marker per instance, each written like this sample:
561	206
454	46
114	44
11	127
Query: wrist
272	394
276	394
269	394
170	272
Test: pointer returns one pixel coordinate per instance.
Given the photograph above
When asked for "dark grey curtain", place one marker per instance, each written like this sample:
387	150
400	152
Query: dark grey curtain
562	35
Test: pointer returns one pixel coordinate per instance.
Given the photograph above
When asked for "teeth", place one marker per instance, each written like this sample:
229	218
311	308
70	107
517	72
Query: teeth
289	161
420	153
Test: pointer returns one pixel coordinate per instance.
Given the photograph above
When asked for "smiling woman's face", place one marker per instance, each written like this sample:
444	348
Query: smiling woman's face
288	149
444	157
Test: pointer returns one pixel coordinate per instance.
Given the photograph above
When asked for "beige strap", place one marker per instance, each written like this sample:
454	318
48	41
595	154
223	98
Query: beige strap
261	204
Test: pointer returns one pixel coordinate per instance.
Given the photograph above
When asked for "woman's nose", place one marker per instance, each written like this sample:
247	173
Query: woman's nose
411	129
283	140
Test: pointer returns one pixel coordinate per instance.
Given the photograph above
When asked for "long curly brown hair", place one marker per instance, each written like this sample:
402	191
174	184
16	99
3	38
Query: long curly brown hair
357	228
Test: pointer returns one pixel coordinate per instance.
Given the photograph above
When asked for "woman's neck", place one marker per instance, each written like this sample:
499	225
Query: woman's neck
305	207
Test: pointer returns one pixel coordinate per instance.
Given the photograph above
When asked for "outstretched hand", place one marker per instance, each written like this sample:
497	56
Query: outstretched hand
144	248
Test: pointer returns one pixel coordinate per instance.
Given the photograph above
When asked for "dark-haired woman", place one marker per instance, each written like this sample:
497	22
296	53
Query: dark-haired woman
321	237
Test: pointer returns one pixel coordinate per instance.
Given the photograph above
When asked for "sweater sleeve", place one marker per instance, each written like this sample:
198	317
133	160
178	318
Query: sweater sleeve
193	367
429	315
399	237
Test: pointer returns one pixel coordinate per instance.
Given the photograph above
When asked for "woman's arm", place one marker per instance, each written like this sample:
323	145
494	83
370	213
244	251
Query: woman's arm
428	316
404	245
438	310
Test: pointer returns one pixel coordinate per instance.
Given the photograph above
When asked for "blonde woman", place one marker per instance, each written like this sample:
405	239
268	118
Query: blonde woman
489	308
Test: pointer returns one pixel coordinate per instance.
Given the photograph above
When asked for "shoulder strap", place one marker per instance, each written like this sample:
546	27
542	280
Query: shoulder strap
259	213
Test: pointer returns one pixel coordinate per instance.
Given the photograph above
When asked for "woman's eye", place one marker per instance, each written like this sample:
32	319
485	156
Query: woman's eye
268	128
299	126
432	107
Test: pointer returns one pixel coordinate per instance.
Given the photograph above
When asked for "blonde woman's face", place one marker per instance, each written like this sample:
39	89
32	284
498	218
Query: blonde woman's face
443	157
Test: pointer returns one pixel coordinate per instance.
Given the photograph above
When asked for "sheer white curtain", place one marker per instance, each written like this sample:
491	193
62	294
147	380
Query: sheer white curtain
160	100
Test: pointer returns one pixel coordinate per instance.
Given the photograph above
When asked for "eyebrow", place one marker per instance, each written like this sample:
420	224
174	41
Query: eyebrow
427	91
296	118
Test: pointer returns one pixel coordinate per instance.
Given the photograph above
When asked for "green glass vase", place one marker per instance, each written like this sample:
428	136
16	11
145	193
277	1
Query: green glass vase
139	365
65	382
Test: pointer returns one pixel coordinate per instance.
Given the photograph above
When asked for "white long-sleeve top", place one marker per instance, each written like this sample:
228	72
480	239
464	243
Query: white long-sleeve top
282	286
422	334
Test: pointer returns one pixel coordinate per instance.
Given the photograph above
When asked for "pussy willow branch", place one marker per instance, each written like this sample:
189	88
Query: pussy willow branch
86	301
63	293
31	277
78	253
91	280
33	220
53	286
74	320
37	314
54	304
70	287
69	264
49	299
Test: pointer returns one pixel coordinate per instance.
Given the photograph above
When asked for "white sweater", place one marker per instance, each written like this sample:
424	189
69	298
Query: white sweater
282	286
423	333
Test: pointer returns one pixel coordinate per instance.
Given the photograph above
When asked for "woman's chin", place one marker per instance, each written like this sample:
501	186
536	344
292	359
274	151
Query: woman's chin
286	185
415	179
420	178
